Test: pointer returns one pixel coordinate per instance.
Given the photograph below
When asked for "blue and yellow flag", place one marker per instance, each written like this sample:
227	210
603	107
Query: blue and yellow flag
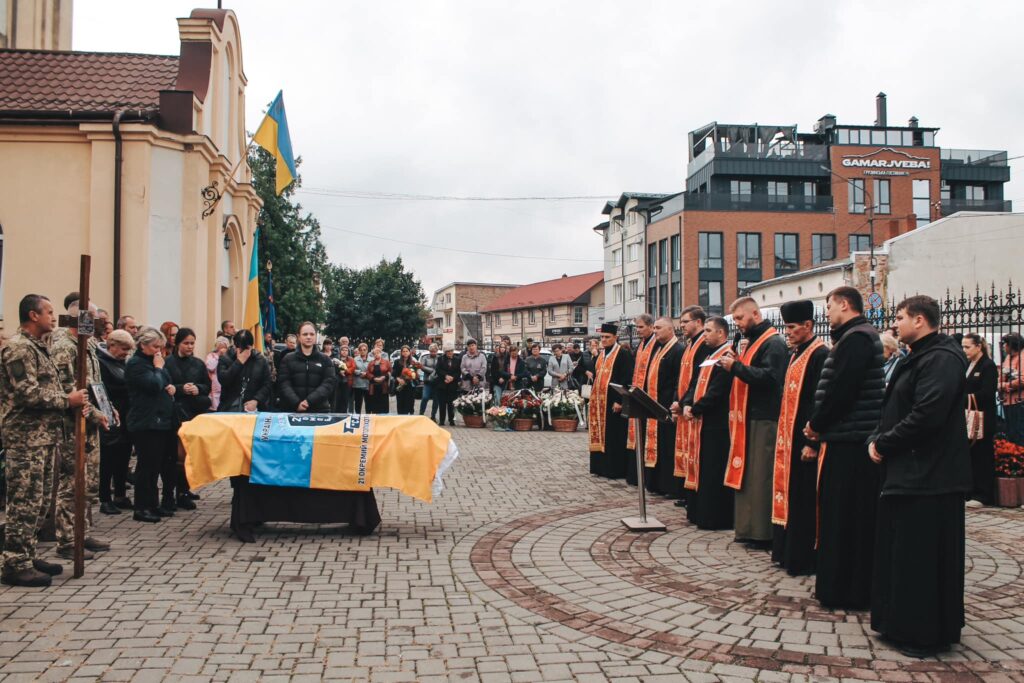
252	320
273	136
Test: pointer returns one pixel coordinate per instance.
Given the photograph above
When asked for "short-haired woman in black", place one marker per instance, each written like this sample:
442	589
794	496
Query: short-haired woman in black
982	385
191	398
446	387
405	372
244	377
306	378
151	421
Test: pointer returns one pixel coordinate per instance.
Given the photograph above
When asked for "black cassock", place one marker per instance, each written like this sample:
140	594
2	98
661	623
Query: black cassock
711	506
793	545
612	462
661	478
698	357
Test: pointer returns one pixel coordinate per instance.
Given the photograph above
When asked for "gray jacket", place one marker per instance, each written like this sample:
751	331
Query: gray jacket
359	381
429	364
473	366
558	367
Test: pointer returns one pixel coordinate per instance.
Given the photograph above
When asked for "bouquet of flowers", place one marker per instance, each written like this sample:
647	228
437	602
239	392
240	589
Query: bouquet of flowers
1009	458
563	404
501	416
524	402
473	403
408	374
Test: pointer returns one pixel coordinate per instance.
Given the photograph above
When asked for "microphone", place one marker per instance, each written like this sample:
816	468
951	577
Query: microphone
736	342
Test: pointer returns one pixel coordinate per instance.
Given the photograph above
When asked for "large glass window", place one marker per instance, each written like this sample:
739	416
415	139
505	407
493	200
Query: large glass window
632	251
856	195
748	250
577	315
652	299
709	252
709	296
777	191
823	248
616	294
975	192
787	256
677	299
810	189
663	256
616	257
740	189
860	243
652	260
633	290
922	201
663	299
881	198
676	263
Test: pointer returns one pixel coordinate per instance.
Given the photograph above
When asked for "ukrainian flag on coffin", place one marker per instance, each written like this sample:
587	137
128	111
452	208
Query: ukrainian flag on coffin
320	451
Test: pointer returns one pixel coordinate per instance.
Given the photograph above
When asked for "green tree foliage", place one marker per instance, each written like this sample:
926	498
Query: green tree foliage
290	239
384	301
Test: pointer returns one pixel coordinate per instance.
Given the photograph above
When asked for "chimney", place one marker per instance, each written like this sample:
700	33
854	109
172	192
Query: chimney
880	119
912	122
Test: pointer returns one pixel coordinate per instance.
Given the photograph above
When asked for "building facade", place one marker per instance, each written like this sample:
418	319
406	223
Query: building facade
455	311
112	155
552	311
763	202
35	24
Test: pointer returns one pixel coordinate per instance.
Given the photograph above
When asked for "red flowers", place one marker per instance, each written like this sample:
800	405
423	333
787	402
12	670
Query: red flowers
1009	458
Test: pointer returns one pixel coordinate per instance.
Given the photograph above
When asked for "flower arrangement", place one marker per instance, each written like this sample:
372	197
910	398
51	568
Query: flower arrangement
563	404
1009	458
408	374
501	416
473	403
524	402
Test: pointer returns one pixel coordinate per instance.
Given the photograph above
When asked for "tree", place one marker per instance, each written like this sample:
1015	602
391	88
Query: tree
290	240
384	301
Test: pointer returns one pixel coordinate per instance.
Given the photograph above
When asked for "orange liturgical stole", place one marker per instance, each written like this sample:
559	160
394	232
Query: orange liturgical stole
692	447
651	444
599	398
643	357
784	436
683	426
738	417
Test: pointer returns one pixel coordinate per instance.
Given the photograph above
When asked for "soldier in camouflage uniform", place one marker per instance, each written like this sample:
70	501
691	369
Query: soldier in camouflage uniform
32	408
64	350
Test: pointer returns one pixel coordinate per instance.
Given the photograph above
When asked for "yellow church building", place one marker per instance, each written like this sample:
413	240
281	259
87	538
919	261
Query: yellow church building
126	157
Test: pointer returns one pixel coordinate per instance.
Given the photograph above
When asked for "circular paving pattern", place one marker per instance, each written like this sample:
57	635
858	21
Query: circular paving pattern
698	595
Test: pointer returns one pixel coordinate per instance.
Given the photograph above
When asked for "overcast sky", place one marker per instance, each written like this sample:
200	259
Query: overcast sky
556	99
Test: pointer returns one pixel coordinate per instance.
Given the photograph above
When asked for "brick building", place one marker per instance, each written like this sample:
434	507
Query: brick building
455	311
765	201
548	312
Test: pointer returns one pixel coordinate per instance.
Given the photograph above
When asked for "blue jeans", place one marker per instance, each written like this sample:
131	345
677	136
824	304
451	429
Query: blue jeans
428	393
498	390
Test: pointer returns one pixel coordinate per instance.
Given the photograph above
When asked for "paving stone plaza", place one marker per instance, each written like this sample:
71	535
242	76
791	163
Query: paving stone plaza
520	571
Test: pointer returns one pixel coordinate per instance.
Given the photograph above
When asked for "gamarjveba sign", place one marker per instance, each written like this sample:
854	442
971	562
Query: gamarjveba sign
866	161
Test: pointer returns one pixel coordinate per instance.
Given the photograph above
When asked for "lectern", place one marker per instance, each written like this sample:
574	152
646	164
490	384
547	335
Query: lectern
637	405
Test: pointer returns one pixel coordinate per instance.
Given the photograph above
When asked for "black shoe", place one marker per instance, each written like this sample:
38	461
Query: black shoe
28	577
108	508
185	503
123	502
96	545
48	568
192	496
451	424
67	552
681	503
162	512
145	516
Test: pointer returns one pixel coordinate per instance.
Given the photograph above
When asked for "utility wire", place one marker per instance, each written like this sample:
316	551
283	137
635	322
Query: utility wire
405	196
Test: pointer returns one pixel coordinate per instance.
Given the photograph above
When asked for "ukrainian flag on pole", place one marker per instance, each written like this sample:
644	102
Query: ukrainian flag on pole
273	136
252	321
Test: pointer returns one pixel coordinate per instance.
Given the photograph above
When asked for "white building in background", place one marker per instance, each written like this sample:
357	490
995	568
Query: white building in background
625	247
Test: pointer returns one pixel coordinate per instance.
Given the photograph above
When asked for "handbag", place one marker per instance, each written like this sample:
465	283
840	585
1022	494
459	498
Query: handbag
975	420
585	391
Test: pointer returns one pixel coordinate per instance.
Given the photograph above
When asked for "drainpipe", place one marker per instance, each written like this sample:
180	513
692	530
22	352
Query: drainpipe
118	157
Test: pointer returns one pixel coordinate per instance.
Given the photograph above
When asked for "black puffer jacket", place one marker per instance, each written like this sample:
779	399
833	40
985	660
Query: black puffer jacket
250	382
923	435
184	371
151	407
848	401
112	373
306	378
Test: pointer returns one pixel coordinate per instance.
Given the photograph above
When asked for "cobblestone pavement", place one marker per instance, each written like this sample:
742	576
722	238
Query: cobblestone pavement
520	571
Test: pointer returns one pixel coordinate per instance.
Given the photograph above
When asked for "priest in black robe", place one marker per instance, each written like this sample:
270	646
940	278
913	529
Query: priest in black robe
608	429
794	507
661	385
848	404
710	503
917	599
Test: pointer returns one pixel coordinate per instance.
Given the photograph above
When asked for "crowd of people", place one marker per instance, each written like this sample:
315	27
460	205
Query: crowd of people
846	458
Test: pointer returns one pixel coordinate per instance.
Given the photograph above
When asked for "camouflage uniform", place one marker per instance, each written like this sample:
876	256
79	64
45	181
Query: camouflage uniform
33	404
64	349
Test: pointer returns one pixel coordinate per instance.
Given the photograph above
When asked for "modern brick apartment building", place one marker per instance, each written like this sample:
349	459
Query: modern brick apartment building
455	311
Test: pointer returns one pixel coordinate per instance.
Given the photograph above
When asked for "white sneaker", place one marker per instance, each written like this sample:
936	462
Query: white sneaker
974	504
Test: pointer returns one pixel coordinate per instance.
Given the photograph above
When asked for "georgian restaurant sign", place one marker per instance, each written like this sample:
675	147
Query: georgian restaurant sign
874	165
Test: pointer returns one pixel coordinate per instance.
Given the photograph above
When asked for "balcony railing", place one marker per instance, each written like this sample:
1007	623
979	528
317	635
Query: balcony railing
779	151
756	202
951	206
974	157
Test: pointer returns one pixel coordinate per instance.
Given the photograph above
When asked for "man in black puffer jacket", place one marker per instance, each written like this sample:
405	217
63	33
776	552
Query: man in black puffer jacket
848	403
917	598
306	378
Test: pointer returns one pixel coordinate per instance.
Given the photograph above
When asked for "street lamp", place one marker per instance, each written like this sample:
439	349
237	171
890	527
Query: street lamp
870	210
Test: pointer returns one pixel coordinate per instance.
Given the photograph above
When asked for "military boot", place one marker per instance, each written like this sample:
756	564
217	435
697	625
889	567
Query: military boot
28	577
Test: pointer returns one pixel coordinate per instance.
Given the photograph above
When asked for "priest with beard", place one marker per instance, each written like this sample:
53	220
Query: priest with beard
691	321
705	409
661	385
645	330
613	365
794	483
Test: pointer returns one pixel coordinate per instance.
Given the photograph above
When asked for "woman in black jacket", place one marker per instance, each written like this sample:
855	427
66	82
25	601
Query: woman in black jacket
191	398
152	423
982	384
306	377
405	387
244	377
115	443
447	385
